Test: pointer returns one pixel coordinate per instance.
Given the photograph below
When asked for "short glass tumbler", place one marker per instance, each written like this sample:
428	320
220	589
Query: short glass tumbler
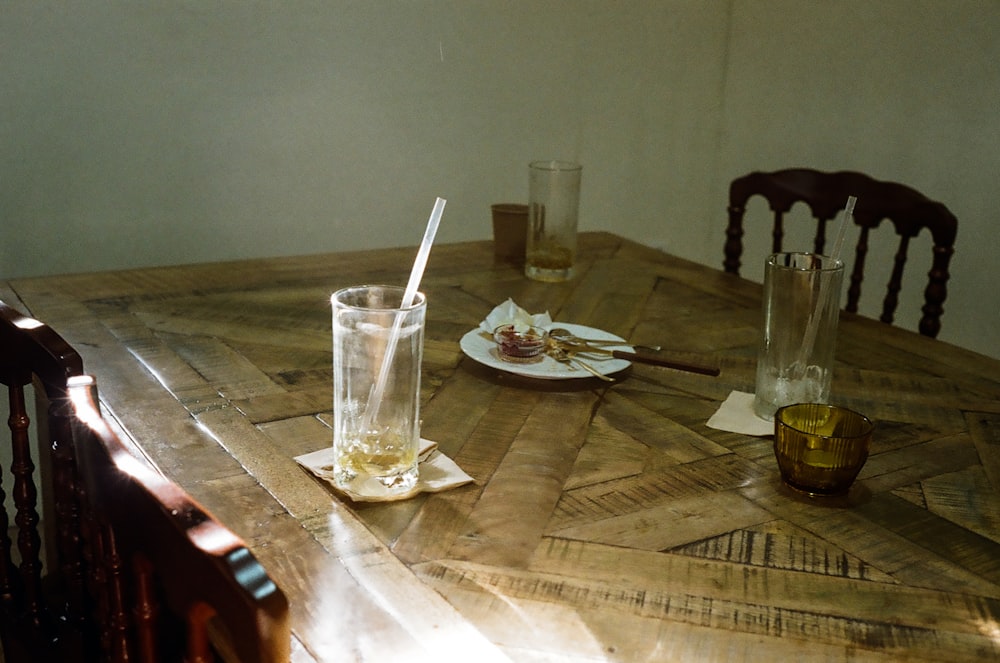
376	341
821	448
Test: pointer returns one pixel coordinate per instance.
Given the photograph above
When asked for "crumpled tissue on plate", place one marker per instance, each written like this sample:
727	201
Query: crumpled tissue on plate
510	313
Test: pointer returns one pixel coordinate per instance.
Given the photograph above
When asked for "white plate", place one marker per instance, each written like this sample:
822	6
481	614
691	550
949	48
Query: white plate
484	350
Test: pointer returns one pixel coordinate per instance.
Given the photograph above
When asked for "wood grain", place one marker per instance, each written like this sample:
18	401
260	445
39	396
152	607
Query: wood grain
606	522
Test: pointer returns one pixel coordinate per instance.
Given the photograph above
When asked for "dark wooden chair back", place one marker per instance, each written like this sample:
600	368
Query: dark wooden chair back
168	580
826	195
33	354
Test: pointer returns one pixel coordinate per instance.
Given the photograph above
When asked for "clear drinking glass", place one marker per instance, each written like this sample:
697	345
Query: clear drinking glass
801	306
375	446
554	204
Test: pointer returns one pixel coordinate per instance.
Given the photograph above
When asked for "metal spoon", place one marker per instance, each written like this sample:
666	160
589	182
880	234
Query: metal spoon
581	346
564	357
567	336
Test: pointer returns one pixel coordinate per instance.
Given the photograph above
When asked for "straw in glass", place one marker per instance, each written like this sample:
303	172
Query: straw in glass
812	326
419	263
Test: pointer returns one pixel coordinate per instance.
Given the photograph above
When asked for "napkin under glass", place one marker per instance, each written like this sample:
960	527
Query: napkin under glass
436	472
736	415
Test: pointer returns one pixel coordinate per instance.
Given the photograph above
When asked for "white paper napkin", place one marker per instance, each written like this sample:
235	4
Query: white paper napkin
437	472
736	415
510	313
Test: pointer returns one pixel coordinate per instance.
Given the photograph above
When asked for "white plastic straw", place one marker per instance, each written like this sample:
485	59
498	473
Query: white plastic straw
378	389
812	327
420	262
839	242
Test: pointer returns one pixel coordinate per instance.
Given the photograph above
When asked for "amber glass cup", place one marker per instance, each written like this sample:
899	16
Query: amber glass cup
510	231
821	448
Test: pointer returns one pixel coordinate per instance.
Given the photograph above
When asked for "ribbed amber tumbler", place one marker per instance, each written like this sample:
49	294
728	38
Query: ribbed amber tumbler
821	448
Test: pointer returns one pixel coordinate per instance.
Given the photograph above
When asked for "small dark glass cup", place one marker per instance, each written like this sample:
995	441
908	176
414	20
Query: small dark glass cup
821	448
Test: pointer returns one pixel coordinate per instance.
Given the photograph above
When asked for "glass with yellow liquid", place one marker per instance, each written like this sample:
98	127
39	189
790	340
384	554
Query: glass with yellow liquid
376	429
554	204
821	448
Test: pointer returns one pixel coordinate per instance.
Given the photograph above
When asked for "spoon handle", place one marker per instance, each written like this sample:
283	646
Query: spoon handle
601	344
593	371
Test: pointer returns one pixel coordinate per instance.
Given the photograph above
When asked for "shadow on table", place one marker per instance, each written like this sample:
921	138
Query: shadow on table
858	494
585	382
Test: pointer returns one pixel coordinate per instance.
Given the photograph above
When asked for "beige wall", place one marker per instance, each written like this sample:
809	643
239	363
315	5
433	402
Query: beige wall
137	133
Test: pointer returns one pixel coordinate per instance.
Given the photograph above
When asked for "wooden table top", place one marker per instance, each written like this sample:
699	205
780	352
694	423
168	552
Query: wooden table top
606	521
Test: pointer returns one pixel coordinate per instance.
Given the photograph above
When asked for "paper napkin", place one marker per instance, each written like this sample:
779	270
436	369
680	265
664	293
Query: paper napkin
510	313
736	415
437	472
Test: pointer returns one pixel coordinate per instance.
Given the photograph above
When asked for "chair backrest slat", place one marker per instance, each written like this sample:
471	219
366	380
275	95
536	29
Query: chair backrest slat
25	497
858	272
908	211
819	242
33	354
7	577
895	280
778	234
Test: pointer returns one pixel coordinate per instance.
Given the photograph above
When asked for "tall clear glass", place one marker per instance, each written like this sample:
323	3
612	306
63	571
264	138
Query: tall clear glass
375	444
801	306
553	208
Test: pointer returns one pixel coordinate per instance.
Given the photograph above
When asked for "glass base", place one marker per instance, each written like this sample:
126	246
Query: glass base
550	275
377	487
763	409
775	388
824	490
374	466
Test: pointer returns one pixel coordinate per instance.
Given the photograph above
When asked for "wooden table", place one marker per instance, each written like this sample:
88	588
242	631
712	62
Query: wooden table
607	522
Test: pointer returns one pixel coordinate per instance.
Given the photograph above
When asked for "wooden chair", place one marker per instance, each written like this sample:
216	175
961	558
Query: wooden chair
168	581
826	194
33	606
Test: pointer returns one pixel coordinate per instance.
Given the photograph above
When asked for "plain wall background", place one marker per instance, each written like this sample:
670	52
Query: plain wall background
142	133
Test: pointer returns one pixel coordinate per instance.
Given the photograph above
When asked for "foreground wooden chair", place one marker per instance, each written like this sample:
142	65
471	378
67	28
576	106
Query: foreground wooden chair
826	194
33	606
168	580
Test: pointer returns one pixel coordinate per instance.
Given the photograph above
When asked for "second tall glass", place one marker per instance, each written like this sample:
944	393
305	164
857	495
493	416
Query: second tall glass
799	330
554	204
